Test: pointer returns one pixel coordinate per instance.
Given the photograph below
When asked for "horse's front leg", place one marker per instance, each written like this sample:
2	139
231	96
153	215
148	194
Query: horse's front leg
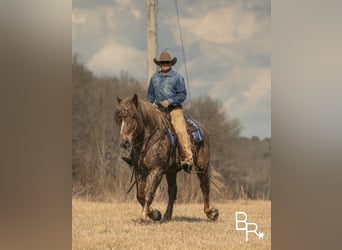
156	176
141	185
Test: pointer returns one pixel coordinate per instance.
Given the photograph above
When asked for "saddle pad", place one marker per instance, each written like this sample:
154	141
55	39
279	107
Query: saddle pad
197	134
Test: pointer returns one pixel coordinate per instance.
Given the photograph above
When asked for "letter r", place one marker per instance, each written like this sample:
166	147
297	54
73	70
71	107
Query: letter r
251	231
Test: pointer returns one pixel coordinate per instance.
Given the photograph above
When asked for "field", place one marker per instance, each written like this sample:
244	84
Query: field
114	226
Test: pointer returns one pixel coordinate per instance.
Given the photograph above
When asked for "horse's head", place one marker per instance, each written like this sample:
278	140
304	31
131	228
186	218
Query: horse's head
126	115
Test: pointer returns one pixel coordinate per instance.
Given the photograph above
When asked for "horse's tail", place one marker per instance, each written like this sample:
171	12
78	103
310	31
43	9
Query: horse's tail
216	180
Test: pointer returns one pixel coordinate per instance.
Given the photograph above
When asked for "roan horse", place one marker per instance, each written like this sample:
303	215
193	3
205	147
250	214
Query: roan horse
143	133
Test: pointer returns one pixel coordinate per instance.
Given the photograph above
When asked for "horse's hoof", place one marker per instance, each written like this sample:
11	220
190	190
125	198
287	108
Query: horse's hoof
155	215
143	218
213	214
166	218
139	221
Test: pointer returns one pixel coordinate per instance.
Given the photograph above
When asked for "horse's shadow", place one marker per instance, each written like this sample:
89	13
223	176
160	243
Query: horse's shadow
188	219
174	219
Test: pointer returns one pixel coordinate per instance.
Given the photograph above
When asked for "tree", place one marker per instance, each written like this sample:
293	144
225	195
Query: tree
241	165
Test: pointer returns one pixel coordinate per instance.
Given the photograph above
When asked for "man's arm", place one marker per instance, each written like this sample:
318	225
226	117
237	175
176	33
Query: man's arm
150	93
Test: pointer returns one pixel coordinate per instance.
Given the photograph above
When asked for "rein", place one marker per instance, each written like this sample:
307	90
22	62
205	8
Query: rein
148	144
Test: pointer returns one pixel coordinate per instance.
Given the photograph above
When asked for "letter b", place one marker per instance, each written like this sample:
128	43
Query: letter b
237	221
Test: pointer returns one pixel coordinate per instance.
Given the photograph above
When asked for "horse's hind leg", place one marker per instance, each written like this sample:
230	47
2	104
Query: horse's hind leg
172	192
156	176
212	213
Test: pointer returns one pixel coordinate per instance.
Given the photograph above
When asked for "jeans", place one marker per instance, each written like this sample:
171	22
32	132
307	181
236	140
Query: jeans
178	123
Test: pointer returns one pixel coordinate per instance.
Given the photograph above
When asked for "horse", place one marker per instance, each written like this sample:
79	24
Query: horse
144	133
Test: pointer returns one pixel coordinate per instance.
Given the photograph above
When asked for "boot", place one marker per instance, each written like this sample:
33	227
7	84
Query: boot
187	166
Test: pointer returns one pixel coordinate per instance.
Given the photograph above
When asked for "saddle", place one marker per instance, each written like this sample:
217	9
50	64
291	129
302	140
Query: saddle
194	131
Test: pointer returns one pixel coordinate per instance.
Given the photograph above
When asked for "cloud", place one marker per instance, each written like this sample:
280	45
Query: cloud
221	25
85	23
128	7
123	2
251	100
92	29
243	86
226	42
78	17
114	58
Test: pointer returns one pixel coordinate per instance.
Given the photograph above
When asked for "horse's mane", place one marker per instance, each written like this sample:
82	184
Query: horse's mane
146	114
150	115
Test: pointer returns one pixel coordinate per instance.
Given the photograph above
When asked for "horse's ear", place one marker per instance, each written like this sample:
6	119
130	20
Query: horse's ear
135	100
119	100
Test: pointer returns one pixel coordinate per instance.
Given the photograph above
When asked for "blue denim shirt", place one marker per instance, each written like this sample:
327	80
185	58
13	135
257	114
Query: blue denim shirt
170	87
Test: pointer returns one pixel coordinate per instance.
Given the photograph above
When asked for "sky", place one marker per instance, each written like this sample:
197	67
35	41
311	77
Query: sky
227	45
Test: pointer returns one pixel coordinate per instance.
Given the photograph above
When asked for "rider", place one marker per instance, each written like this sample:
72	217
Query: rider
167	91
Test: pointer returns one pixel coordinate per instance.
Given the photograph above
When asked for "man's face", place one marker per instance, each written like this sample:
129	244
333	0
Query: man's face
165	66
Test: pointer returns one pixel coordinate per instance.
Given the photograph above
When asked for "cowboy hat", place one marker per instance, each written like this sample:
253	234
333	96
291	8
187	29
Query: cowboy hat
165	57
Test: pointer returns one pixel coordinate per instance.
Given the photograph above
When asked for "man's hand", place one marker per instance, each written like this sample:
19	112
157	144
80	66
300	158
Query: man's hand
165	103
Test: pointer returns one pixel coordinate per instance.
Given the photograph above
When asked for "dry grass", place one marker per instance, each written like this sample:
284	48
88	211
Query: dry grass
113	226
